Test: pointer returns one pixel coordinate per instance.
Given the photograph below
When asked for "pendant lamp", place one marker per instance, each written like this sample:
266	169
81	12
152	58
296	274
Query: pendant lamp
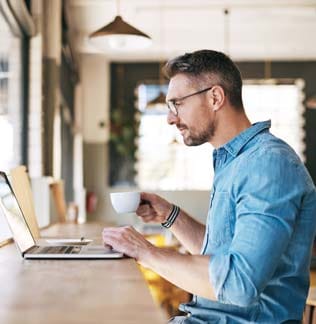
160	100
119	35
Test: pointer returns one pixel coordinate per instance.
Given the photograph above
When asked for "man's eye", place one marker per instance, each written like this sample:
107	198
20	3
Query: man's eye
177	103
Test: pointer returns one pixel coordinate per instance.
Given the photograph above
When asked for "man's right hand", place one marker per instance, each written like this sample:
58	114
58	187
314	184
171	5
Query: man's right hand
153	208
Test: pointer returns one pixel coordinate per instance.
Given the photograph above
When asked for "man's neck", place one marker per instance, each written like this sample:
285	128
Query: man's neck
229	125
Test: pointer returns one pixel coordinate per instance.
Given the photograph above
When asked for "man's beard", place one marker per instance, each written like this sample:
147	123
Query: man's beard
195	138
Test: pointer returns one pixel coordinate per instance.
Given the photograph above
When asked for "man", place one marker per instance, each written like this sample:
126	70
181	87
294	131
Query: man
250	263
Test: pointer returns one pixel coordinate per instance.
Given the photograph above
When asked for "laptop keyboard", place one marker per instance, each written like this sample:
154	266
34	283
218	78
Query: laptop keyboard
58	250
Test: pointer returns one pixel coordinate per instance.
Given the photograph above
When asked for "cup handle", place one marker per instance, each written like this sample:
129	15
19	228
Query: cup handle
144	202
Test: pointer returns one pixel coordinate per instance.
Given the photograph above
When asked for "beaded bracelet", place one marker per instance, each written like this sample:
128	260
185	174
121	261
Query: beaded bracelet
172	217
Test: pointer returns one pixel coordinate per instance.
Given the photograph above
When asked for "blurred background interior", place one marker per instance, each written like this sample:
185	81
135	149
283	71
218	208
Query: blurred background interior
86	115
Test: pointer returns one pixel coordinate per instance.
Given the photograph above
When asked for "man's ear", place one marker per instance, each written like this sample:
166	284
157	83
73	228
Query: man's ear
217	97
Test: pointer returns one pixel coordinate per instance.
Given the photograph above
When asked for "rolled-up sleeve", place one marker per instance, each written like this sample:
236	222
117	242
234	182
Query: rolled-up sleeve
267	197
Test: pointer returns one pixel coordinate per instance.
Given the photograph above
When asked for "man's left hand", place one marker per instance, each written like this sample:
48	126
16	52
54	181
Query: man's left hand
128	241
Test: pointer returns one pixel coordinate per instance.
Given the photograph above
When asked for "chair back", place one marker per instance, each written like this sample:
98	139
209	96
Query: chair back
23	191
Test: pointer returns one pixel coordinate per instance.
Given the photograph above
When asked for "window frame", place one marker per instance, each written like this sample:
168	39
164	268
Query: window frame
21	25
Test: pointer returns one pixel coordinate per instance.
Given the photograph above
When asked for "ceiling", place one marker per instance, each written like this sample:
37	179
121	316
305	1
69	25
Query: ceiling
253	30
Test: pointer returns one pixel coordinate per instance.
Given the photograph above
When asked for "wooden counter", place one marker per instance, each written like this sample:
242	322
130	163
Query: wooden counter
73	291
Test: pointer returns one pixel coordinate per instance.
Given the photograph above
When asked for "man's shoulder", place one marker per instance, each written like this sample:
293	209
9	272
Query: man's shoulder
273	161
269	147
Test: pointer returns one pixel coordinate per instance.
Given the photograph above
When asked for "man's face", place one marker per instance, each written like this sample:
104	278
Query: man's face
195	119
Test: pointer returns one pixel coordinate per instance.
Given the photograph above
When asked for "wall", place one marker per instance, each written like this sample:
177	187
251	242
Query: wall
35	123
95	84
52	33
95	107
51	85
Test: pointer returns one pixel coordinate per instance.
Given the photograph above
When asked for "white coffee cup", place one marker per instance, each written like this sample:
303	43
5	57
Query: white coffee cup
125	202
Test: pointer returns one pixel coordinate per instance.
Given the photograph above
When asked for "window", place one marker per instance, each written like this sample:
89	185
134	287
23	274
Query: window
165	163
282	103
11	110
11	106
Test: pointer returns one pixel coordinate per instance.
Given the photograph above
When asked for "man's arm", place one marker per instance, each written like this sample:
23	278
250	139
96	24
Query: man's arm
187	230
189	272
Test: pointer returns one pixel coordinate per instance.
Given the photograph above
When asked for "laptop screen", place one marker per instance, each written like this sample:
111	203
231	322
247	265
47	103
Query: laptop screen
14	215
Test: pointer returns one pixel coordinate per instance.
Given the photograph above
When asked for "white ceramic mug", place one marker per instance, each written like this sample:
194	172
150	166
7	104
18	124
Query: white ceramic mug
125	202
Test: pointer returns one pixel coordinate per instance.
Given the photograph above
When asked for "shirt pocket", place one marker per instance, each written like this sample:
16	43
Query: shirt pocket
220	219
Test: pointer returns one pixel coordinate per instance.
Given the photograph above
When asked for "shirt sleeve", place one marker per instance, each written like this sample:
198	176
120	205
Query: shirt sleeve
267	197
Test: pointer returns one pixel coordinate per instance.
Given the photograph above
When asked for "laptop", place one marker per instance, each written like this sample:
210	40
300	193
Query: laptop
25	241
21	186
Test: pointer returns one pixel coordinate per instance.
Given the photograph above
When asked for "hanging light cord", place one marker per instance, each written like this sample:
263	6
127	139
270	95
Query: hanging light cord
226	32
118	8
162	43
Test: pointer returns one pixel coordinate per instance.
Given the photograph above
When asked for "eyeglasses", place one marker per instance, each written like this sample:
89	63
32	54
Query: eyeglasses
172	103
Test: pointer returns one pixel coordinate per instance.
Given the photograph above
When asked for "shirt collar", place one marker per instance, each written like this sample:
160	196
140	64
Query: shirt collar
237	143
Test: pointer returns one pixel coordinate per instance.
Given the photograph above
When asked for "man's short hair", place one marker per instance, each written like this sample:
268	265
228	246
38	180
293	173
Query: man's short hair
209	66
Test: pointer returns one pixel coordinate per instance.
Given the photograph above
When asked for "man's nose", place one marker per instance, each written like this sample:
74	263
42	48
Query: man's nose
172	118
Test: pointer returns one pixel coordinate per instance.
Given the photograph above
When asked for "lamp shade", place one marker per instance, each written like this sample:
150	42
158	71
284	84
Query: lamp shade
160	99
120	35
158	104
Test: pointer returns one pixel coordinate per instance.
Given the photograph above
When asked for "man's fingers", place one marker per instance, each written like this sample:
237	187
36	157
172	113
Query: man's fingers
109	236
148	218
147	197
112	235
146	214
144	210
107	246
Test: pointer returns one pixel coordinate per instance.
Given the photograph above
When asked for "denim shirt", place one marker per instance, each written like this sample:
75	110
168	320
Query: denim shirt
259	233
